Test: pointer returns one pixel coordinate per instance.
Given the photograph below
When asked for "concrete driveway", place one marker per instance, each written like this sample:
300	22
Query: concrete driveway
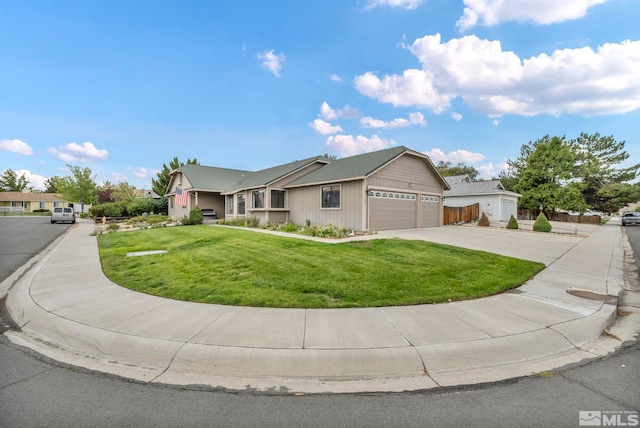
522	243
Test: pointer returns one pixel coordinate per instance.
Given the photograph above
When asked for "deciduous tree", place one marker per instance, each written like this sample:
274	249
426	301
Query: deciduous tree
53	184
448	169
80	187
11	182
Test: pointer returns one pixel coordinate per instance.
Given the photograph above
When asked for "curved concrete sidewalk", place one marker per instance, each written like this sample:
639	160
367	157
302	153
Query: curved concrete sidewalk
68	310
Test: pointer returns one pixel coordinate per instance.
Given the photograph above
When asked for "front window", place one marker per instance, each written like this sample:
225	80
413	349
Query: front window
331	197
257	197
277	199
229	204
41	205
241	204
56	204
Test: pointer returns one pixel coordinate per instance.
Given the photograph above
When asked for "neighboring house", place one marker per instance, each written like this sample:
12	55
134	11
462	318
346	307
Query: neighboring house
389	189
30	202
496	202
149	194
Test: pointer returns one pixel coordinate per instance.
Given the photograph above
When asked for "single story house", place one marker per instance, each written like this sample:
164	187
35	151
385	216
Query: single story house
496	202
30	202
394	188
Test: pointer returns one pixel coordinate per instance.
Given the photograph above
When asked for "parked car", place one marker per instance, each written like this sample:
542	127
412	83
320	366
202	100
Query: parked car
630	217
63	214
598	213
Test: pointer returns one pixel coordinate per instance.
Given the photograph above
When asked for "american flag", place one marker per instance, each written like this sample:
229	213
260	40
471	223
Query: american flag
180	198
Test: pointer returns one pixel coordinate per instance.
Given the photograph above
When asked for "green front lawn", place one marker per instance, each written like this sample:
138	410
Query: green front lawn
237	267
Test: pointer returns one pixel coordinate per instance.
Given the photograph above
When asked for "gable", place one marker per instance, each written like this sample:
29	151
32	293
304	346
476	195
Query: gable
410	172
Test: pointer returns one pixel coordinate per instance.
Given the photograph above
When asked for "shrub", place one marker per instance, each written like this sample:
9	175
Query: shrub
513	223
288	227
484	221
195	215
151	220
113	227
147	205
139	206
252	222
110	209
542	224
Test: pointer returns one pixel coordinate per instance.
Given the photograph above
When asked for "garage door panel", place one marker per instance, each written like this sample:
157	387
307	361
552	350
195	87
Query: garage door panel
430	210
389	210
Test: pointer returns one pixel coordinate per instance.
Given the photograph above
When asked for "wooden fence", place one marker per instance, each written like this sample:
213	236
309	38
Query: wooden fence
453	215
563	217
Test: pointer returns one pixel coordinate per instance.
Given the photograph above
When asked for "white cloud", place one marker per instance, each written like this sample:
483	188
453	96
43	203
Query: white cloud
495	122
327	113
74	152
493	12
36	181
459	155
456	116
403	4
490	170
497	82
324	128
348	145
336	78
413	88
141	172
118	177
271	61
16	146
414	119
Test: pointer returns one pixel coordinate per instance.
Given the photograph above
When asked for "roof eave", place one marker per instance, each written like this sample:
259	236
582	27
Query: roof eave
319	183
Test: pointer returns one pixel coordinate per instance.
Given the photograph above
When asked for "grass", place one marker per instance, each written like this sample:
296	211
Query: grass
237	267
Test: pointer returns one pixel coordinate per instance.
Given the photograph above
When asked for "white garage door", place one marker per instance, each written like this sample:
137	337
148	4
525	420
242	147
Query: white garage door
392	210
430	210
508	209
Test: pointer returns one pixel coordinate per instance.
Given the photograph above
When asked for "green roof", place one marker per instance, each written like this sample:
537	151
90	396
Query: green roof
269	175
225	180
229	180
213	178
350	168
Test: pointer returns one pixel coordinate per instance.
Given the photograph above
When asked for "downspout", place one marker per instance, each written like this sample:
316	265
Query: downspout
365	206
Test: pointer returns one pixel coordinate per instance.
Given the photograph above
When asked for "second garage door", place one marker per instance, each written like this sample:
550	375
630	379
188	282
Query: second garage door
430	210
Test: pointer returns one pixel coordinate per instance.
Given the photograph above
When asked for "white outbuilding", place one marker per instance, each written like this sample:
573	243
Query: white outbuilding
496	202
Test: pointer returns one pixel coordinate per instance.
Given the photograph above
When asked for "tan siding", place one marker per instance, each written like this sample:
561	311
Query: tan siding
277	217
305	204
407	173
206	200
178	212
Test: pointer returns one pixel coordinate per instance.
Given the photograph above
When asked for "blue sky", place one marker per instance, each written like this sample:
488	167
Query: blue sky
122	86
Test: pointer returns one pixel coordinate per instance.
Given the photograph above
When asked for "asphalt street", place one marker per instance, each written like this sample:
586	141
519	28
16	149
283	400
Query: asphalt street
21	238
35	391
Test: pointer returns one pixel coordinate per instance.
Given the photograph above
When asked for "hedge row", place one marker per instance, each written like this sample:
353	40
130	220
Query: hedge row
130	209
